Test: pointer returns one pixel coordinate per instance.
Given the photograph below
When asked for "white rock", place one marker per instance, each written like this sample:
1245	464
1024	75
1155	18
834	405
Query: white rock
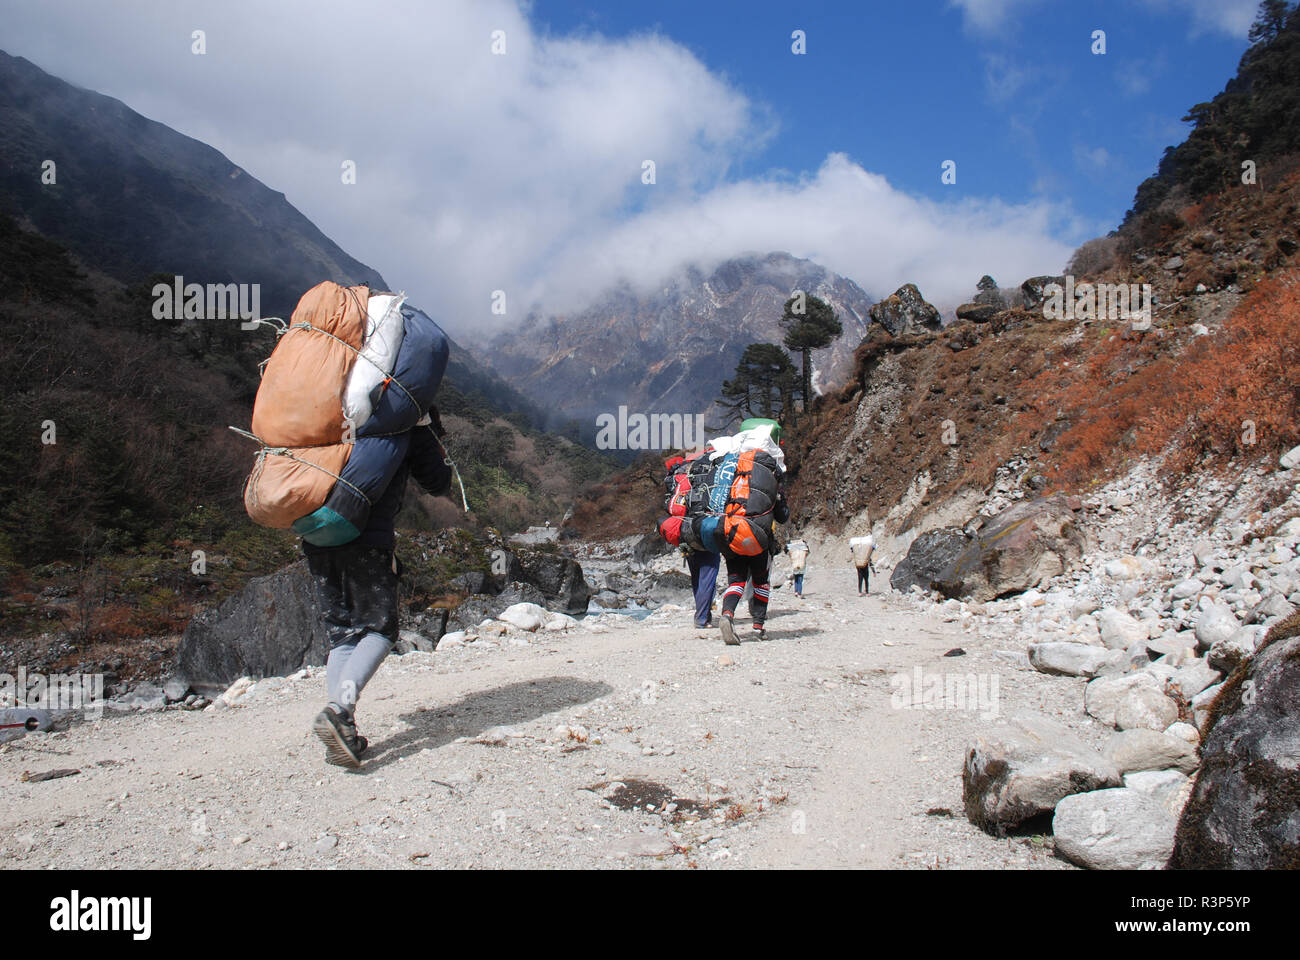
1186	589
236	691
1183	731
525	616
1201	705
1145	708
1145	749
1102	697
1226	654
1291	529
1070	659
454	639
560	621
1290	460
1117	829
1274	607
1237	576
1127	568
1195	677
1215	622
1119	630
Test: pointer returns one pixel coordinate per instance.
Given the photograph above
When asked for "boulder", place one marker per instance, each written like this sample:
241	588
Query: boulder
1023	546
559	578
1174	645
474	610
1271	608
270	628
1244	812
1141	749
1119	630
408	641
1290	460
987	292
1226	654
650	547
1023	771
1102	696
906	313
474	581
978	312
1201	704
1184	731
1034	290
1069	659
1194	677
1120	829
524	616
1127	568
1214	622
928	556
1145	708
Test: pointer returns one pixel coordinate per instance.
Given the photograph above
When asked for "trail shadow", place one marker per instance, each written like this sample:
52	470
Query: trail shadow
436	726
745	638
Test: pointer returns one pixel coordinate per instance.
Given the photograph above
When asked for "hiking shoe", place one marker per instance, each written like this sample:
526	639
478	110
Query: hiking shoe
759	632
729	632
343	748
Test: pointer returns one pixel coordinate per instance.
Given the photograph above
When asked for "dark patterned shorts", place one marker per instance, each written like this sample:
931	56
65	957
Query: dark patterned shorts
356	589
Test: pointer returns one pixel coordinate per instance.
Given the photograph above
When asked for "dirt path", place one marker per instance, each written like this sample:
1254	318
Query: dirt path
787	752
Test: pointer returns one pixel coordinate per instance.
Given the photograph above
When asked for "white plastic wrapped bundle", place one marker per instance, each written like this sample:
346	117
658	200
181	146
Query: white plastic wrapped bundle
383	338
756	438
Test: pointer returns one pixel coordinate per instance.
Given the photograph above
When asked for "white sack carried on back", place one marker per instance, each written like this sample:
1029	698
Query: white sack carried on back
382	340
755	438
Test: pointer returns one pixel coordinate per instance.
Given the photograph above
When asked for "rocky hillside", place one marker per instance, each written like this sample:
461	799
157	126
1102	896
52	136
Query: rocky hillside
132	197
118	464
669	352
1060	404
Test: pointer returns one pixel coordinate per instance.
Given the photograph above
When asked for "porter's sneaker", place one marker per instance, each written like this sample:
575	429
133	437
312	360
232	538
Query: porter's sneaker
729	631
759	632
343	747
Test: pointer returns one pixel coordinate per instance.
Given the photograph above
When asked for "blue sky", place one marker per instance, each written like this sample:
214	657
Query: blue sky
1021	104
519	169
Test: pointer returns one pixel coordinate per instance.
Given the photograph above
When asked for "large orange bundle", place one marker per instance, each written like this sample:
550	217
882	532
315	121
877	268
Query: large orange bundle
298	413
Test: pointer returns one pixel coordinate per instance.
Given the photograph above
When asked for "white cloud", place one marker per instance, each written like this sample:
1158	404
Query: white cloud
1232	17
519	172
986	16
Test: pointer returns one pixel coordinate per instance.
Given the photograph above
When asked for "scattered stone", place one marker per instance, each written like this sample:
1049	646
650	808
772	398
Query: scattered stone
1184	731
1102	697
1024	770
236	691
1120	829
1215	622
1226	654
1126	568
1119	630
1195	677
1144	749
1145	708
525	616
1070	659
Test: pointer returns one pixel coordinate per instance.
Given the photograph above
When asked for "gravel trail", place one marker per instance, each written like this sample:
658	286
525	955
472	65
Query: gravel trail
644	744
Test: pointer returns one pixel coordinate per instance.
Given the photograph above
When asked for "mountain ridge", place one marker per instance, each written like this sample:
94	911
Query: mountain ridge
669	350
